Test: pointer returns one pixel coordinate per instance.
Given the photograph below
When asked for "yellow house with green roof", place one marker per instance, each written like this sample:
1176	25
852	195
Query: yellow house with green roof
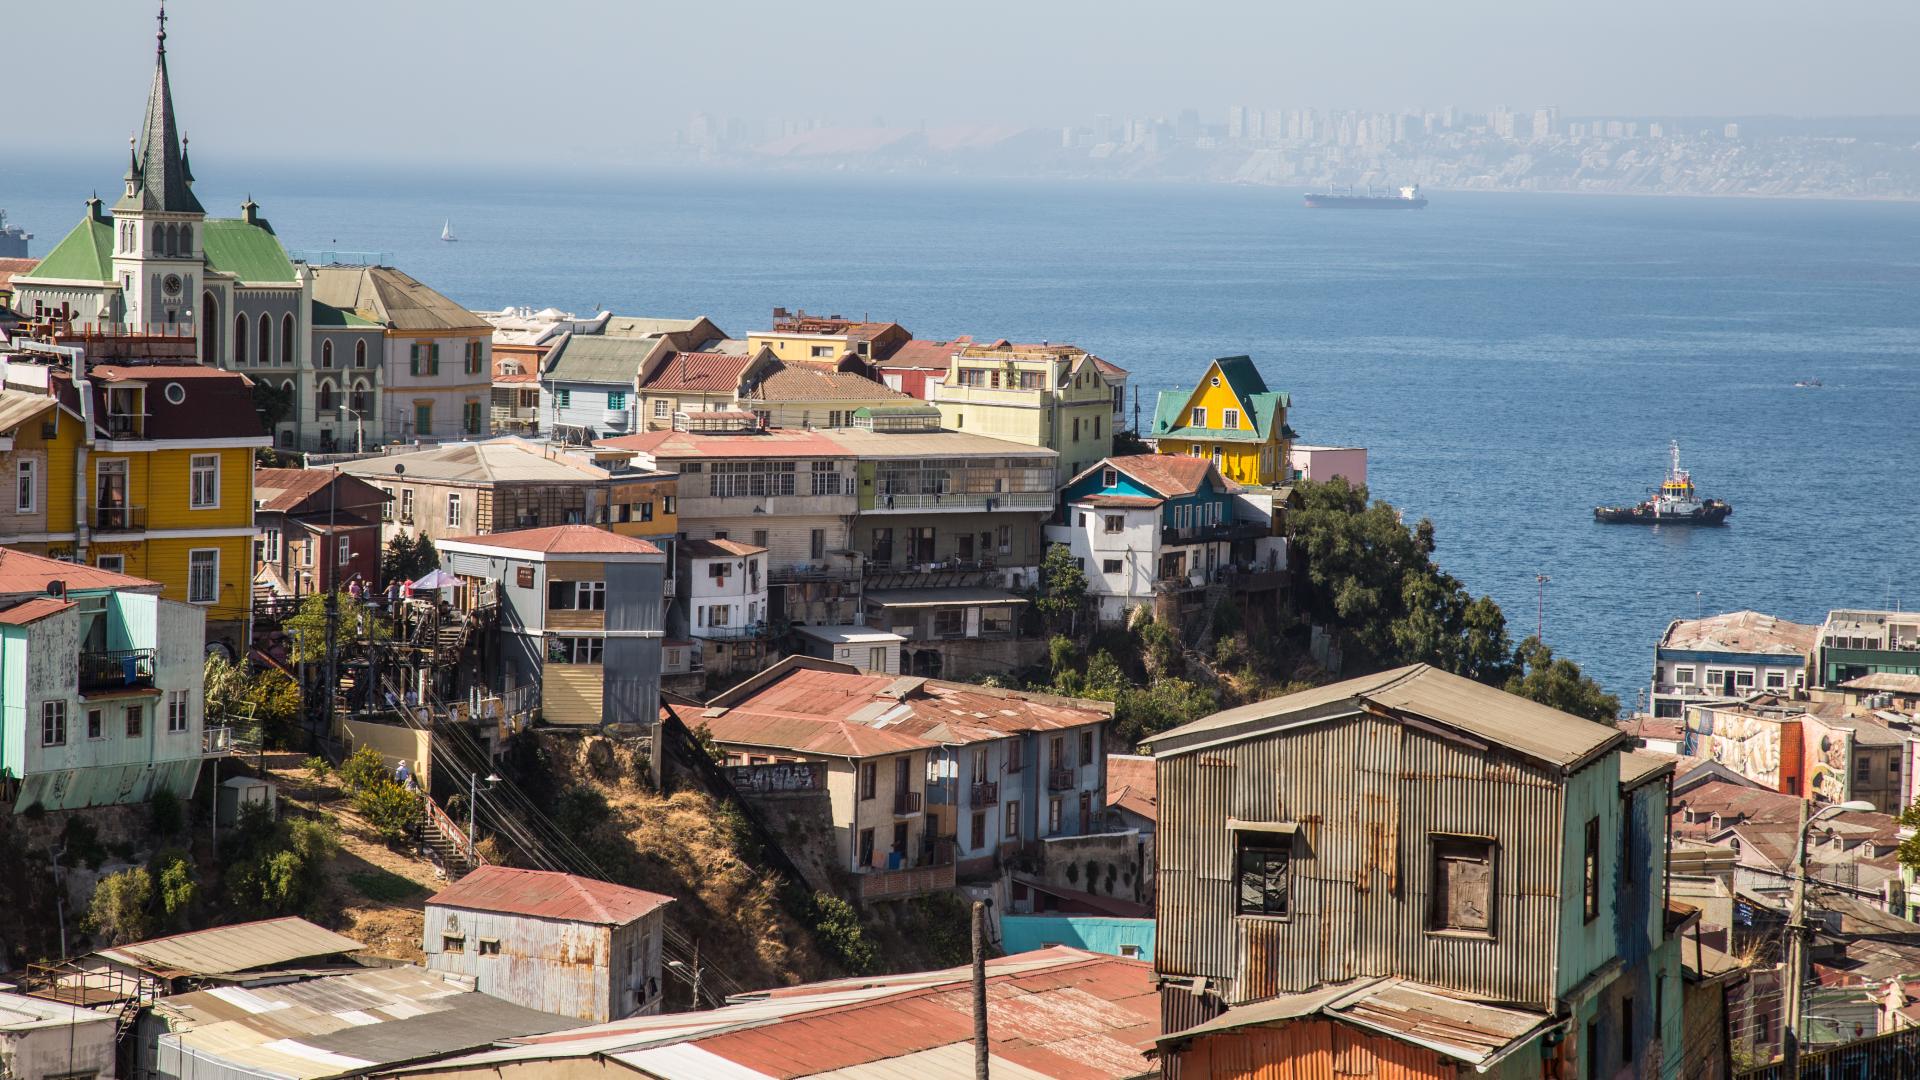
1231	417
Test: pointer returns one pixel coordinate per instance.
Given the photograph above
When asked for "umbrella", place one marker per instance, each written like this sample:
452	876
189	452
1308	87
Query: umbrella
438	579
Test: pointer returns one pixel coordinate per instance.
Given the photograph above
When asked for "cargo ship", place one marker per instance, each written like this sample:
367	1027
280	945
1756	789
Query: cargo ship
13	239
1676	503
1406	198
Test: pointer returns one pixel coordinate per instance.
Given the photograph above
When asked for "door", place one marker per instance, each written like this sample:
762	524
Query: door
110	486
899	860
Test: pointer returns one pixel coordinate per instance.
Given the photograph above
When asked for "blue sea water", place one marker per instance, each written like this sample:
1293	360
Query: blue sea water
1510	360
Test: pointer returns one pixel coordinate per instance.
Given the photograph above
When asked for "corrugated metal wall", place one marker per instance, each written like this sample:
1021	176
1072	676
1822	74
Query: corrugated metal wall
1306	1050
1367	793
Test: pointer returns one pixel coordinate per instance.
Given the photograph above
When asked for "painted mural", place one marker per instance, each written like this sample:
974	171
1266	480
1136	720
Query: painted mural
1749	745
1829	752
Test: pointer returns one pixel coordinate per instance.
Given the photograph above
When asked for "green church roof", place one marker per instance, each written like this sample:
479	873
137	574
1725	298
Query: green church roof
248	251
85	254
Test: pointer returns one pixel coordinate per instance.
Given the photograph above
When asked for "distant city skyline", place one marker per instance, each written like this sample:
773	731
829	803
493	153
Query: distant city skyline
591	84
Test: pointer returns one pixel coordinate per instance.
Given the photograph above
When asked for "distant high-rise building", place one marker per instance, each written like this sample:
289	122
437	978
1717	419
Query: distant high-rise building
1546	121
1616	129
1186	127
1237	121
1731	131
1656	130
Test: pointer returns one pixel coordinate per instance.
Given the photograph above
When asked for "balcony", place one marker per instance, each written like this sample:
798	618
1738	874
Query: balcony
789	573
217	741
906	802
895	884
984	794
122	669
732	633
958	501
108	519
1059	779
776	506
1205	534
126	425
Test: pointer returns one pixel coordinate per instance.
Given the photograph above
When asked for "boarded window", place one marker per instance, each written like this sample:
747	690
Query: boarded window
1462	884
1260	865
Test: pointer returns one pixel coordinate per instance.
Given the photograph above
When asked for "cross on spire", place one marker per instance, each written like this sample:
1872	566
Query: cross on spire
163	26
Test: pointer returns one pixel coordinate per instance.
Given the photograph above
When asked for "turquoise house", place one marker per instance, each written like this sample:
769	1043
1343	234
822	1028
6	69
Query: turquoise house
1131	939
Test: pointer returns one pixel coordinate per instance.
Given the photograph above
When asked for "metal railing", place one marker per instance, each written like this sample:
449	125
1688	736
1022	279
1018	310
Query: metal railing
1059	779
117	669
957	500
906	802
1198	534
731	633
986	793
796	572
119	518
216	741
126	425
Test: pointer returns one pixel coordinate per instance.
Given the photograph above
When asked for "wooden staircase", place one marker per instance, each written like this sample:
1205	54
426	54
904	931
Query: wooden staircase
446	841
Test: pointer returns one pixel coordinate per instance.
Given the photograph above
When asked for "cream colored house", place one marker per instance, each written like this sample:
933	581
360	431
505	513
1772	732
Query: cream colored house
1056	396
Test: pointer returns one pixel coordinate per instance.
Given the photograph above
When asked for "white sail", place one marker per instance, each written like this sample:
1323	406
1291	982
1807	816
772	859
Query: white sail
446	231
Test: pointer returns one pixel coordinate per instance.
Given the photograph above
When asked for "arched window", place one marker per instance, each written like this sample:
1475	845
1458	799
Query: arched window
326	354
239	339
186	240
362	402
286	339
265	356
209	330
323	397
360	354
173	239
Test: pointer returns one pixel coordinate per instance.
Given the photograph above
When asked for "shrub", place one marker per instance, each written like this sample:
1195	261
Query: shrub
317	765
837	926
82	842
178	886
279	867
118	910
168	817
363	769
390	808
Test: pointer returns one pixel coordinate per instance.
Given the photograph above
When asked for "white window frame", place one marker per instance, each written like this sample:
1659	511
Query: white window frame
26	486
53	721
343	553
1199	417
179	712
662	409
199	466
115	564
386	507
453	510
193	556
270	545
1230	418
1683	676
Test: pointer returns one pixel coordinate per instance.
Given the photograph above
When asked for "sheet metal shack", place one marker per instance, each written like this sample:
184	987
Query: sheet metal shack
1409	873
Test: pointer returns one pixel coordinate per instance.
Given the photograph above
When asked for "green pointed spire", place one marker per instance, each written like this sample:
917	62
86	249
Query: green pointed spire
160	167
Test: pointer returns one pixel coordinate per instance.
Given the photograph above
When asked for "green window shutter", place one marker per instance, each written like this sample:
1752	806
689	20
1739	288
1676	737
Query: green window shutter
413	358
433	363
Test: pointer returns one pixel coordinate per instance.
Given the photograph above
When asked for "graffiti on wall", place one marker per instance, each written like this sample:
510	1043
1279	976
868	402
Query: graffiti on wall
779	778
1749	745
1829	758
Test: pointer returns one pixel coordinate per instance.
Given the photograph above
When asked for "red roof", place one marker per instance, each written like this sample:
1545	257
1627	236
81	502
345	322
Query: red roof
717	549
699	371
33	610
1108	368
21	572
563	540
10	267
1132	785
811	709
1121	502
775	443
925	354
548	894
1168	474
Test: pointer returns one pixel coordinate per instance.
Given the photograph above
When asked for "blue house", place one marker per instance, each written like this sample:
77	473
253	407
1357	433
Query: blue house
1148	525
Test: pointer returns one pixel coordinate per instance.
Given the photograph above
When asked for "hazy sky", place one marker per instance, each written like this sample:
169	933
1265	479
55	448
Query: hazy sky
582	82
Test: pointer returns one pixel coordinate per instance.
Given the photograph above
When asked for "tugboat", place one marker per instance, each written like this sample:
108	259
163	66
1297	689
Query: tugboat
1676	503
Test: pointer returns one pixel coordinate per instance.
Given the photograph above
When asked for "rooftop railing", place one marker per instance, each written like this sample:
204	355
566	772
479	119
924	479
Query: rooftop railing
116	669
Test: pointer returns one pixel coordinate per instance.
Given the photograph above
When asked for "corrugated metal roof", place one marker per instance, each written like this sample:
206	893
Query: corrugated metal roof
19	406
1639	766
716	372
1885	682
798	382
561	540
585	358
1742	632
774	443
1422	691
1053	1014
957	596
392	298
494	460
241	947
24	572
548	894
886	444
29	611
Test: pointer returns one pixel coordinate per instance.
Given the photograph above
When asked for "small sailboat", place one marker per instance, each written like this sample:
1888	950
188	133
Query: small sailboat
446	232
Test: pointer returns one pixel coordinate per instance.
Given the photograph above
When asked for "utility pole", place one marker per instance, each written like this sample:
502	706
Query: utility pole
1540	609
1795	979
979	990
59	895
332	559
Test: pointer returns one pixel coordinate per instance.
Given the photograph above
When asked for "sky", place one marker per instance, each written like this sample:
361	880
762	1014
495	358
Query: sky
585	83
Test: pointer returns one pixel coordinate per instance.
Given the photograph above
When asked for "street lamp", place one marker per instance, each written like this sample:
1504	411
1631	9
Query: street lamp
1796	976
473	798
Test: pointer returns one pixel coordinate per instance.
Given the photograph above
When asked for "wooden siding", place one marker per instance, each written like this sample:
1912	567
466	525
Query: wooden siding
1305	1050
571	693
1367	793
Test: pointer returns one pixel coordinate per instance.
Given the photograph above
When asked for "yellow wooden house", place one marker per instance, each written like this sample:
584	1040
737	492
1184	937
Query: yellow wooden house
1231	417
141	469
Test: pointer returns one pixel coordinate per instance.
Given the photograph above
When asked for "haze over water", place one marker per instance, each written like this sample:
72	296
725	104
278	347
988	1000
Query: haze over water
1509	360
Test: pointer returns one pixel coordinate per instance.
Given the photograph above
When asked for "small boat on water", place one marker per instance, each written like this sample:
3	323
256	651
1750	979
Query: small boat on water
1675	503
1808	384
446	231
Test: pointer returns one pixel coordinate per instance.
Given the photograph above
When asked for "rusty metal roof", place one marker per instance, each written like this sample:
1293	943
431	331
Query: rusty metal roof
1400	1009
241	947
548	894
1422	692
1052	1014
1639	766
1742	632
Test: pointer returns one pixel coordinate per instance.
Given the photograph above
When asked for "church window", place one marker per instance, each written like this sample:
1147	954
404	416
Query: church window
239	339
265	354
186	240
324	397
359	354
326	354
362	398
286	339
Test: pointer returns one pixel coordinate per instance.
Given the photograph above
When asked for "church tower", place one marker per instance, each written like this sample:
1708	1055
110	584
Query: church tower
158	230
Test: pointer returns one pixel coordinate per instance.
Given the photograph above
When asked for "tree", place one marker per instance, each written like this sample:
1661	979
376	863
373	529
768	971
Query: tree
1559	684
273	403
356	621
1063	586
118	911
178	886
390	808
362	769
269	699
278	867
408	558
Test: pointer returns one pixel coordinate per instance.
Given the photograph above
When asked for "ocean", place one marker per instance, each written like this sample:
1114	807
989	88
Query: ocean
1509	360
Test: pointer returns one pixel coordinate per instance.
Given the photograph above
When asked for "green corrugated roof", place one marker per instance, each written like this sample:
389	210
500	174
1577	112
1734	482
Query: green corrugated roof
248	252
1171	407
326	315
1242	376
85	254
